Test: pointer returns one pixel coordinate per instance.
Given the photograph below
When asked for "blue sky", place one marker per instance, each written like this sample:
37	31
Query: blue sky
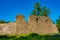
9	8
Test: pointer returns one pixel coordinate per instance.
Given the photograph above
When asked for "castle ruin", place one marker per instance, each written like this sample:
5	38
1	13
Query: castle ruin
40	25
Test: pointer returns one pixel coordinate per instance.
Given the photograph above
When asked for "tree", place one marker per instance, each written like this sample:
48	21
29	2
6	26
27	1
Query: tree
58	23
39	11
45	12
2	21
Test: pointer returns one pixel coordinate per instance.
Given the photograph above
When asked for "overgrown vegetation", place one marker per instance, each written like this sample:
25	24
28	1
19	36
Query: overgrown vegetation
32	36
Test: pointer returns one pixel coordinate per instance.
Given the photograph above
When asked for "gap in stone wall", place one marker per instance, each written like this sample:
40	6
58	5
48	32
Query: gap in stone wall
37	20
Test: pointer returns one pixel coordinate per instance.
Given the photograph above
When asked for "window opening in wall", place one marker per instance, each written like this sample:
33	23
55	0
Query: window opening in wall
37	20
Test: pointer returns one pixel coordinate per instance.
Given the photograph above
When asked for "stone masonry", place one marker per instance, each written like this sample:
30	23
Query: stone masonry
40	25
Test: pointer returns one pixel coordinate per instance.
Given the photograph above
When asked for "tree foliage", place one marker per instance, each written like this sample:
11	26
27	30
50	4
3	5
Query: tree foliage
58	22
39	11
45	11
2	21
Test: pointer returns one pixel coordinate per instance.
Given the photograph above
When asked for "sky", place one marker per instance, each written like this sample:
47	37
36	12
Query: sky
10	8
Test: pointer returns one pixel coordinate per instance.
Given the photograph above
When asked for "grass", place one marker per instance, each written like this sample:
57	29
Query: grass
32	36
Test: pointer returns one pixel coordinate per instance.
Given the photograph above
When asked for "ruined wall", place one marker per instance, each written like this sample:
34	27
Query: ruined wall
9	28
32	24
22	26
46	25
41	25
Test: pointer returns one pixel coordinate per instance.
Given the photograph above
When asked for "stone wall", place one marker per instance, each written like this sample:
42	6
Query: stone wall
46	26
41	25
22	26
9	28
